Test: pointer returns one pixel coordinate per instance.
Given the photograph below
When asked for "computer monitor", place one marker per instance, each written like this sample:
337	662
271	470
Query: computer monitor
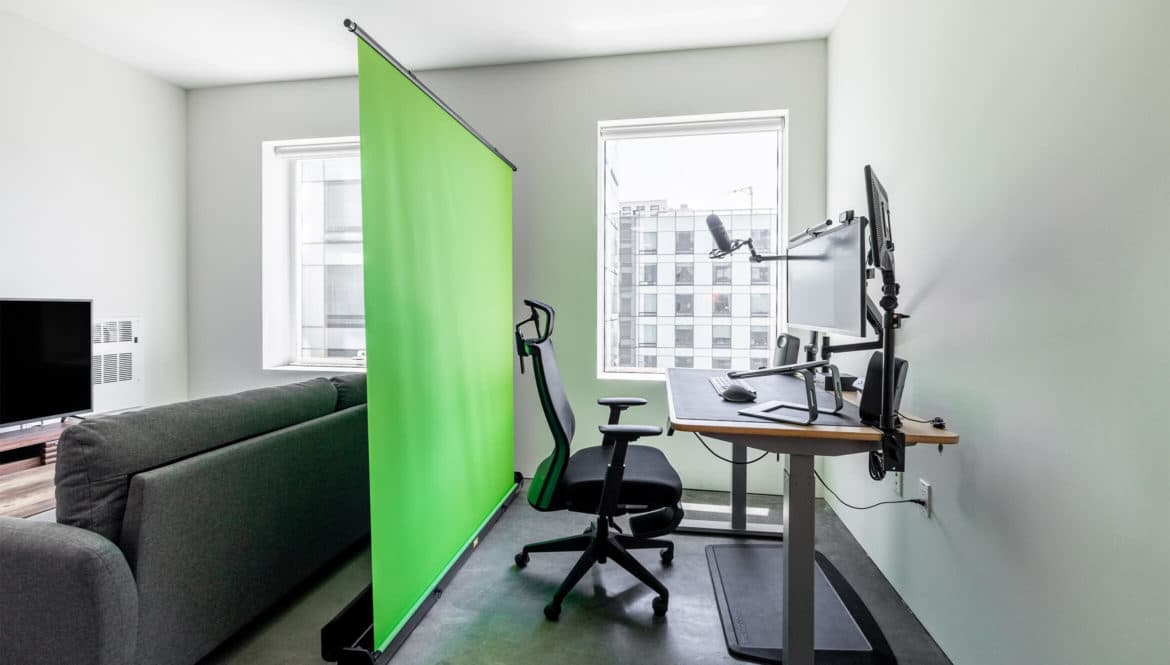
826	281
880	238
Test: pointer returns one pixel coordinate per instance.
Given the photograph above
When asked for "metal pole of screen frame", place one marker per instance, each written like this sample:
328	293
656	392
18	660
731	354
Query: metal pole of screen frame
356	29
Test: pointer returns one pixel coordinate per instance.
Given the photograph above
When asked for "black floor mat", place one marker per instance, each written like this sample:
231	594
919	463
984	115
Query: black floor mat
748	581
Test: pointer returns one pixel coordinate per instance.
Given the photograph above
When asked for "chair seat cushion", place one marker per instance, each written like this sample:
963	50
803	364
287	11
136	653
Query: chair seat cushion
649	479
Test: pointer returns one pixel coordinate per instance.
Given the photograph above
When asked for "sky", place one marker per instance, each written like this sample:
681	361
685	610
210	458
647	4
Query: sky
700	171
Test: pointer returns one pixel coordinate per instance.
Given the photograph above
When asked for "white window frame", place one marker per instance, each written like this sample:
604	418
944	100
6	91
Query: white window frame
280	247
686	125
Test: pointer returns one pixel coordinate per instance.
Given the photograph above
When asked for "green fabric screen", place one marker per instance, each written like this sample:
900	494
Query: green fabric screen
437	230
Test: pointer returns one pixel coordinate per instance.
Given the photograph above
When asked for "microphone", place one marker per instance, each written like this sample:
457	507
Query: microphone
715	225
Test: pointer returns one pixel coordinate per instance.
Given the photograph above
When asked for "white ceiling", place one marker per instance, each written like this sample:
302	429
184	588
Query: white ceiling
198	43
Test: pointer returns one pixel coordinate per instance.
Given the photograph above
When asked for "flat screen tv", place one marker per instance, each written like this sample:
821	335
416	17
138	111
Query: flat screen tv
44	359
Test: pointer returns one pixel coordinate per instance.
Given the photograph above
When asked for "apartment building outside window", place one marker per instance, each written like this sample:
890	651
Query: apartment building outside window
659	178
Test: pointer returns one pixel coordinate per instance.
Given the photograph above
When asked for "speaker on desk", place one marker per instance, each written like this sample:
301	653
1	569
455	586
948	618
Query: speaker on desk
787	350
870	408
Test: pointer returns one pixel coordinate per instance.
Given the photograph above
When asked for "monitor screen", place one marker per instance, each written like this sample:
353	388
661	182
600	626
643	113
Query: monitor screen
44	359
826	281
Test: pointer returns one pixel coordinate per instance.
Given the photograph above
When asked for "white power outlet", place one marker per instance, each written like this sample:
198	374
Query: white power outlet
925	494
899	484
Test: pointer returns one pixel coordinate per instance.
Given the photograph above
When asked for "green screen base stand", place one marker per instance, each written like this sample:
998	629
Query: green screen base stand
348	639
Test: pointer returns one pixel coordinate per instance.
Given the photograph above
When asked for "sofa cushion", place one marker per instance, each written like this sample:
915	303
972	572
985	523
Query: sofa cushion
97	457
66	596
351	390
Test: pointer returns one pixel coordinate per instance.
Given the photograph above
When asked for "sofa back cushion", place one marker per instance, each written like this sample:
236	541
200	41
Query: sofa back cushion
216	539
351	390
96	458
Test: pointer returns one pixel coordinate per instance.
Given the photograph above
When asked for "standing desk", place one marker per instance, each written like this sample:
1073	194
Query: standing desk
695	407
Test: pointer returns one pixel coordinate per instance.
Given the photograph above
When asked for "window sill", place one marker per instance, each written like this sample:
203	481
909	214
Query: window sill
643	377
317	369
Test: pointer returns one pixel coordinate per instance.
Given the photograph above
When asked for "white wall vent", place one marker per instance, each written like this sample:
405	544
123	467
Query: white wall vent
117	364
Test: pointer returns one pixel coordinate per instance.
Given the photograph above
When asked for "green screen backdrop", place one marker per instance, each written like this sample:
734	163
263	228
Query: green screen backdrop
437	230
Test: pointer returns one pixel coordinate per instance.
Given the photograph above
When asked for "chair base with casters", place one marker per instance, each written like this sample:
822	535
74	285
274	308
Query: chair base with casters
609	480
599	544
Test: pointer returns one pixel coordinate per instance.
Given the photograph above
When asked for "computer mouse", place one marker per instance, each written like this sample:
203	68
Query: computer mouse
737	392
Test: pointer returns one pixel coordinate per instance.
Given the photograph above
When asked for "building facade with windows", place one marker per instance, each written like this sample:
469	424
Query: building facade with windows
675	307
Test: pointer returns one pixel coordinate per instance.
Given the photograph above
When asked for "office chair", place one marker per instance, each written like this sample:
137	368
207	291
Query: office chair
609	480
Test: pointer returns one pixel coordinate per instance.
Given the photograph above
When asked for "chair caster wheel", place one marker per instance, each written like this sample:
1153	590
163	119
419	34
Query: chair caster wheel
521	559
667	557
660	604
552	612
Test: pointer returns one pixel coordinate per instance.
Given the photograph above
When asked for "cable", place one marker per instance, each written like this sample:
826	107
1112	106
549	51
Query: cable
875	505
762	456
937	421
917	420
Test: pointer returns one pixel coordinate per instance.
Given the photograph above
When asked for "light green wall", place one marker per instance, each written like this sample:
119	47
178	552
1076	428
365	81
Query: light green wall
1025	148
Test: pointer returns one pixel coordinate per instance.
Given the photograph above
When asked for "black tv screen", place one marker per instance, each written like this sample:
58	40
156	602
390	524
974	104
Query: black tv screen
44	359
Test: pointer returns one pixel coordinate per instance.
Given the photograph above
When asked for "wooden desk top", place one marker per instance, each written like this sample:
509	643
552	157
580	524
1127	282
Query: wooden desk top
915	432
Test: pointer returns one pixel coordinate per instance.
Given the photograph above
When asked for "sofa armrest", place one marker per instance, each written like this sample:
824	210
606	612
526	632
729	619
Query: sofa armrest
66	596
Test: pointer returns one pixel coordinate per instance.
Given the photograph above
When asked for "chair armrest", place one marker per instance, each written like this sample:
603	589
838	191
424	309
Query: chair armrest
618	438
66	596
629	432
622	401
617	405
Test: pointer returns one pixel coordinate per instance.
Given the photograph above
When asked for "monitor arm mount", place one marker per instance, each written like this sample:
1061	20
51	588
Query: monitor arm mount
756	257
885	319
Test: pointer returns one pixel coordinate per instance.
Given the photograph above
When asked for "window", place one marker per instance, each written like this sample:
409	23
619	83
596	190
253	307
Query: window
762	240
649	335
761	304
649	361
721	274
313	292
668	174
721	363
650	274
721	337
760	336
758	362
721	304
761	274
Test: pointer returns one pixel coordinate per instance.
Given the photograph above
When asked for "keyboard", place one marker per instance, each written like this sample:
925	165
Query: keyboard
722	383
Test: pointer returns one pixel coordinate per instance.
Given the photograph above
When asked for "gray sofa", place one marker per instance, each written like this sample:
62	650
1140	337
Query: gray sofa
177	525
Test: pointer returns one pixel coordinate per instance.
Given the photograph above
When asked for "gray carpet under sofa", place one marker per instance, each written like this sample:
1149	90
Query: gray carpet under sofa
179	524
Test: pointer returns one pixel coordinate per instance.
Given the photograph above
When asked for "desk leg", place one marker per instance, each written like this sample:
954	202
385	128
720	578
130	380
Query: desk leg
739	486
799	552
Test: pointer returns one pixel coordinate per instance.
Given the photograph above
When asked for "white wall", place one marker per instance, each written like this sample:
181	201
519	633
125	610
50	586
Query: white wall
1026	151
544	117
92	191
225	127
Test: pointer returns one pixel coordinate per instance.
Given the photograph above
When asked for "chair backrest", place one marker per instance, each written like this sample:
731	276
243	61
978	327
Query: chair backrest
542	493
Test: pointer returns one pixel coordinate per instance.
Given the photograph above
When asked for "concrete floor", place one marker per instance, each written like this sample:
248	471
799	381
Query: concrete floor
491	613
